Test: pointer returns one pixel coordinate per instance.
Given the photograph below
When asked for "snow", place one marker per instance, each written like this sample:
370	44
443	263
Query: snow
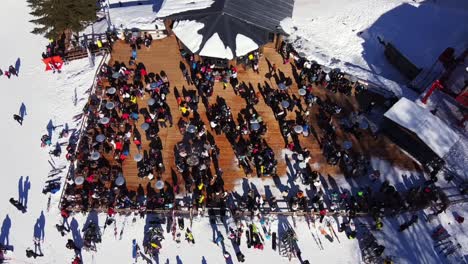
139	16
244	45
187	32
343	34
429	128
170	7
58	98
214	47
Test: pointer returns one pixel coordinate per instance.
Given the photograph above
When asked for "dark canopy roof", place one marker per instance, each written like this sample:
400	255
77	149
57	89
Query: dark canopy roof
251	18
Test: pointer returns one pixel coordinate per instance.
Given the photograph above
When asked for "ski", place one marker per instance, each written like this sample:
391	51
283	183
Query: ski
316	232
123	227
332	230
48	202
319	245
174	225
249	242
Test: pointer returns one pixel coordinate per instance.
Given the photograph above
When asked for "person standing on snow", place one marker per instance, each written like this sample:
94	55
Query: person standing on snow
12	70
18	119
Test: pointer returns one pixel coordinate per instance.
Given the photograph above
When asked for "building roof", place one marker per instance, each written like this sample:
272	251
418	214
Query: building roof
437	135
243	23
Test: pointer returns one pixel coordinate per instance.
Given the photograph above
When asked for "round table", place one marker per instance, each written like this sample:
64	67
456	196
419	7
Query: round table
193	160
282	86
151	101
145	126
111	90
255	126
100	138
159	185
298	129
285	104
79	180
104	120
95	155
119	181
302	92
138	157
192	129
110	105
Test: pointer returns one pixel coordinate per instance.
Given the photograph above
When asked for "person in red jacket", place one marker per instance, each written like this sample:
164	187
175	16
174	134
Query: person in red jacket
77	260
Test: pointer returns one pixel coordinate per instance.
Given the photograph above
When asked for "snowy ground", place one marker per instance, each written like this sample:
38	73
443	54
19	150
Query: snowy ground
343	34
57	98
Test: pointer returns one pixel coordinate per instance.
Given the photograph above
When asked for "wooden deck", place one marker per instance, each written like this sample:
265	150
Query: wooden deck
164	55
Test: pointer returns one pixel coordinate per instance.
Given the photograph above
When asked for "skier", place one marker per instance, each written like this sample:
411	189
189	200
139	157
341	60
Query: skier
18	205
30	253
12	70
71	245
18	119
77	260
189	236
46	141
405	225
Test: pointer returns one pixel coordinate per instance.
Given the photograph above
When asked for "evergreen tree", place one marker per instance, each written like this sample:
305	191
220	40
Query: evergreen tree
53	17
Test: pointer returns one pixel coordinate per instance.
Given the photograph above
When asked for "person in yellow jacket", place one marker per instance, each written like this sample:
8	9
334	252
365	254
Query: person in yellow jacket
133	99
189	236
99	43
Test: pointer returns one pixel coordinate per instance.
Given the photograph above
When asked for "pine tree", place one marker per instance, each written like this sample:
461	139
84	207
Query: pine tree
53	17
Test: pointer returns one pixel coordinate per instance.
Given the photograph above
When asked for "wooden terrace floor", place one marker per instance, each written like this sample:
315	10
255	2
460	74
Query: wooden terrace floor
164	55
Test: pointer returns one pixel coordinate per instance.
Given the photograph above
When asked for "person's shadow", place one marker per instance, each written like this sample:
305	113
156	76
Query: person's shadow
5	231
17	65
20	190
39	232
22	111
27	186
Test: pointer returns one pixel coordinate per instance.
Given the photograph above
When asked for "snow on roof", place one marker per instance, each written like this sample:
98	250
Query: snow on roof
187	33
214	47
139	16
170	7
244	45
343	34
429	128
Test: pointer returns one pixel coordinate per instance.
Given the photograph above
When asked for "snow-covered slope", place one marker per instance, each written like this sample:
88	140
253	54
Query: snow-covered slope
343	34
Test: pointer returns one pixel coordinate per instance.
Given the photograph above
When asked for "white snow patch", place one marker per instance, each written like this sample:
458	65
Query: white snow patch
140	16
244	45
187	32
170	7
214	47
343	34
428	127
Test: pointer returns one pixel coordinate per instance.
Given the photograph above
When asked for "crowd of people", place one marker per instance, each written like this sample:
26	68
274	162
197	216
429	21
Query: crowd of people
113	113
